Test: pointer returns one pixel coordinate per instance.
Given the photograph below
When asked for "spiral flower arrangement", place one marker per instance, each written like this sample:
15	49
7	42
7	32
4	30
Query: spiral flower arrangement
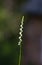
21	30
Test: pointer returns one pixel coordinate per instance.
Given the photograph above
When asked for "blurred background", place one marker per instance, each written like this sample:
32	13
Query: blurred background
10	18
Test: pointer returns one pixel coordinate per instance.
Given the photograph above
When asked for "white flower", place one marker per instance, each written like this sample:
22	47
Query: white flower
21	30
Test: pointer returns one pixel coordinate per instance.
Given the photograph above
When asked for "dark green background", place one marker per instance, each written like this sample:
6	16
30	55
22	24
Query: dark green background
10	19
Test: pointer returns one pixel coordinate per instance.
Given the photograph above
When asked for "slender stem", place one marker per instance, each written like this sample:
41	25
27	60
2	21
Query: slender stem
20	55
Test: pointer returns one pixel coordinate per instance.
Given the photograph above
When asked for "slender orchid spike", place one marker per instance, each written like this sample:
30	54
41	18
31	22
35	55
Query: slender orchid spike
20	39
21	30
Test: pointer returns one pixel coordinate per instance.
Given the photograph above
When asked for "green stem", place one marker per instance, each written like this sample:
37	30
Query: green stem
20	56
